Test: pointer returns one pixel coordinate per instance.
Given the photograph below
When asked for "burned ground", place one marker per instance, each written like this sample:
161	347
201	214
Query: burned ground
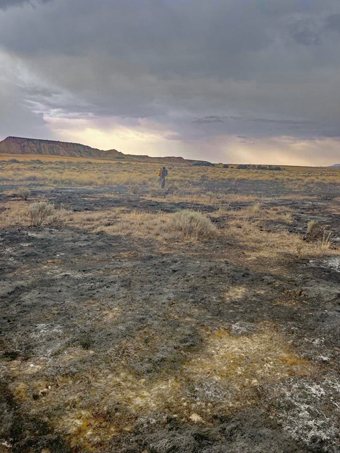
123	342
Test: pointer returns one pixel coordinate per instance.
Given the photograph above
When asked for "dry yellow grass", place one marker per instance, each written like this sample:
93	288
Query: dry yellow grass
271	251
260	248
86	173
14	214
45	158
22	213
185	225
64	170
246	361
208	199
256	213
139	224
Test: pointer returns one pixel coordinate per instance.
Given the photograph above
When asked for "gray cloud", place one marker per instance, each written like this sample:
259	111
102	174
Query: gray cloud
5	4
16	118
305	32
333	22
255	68
209	120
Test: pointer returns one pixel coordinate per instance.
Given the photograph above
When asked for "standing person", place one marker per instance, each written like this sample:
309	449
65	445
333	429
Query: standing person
164	173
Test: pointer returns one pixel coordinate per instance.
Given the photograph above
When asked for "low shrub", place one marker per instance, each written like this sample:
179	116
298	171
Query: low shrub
261	167
312	226
39	212
192	224
256	208
203	164
243	167
23	193
134	189
327	196
173	187
315	233
35	214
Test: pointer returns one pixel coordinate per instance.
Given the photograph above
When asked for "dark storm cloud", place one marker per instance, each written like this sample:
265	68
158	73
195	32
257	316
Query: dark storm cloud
4	4
213	119
283	122
7	3
305	32
333	22
243	67
209	120
16	118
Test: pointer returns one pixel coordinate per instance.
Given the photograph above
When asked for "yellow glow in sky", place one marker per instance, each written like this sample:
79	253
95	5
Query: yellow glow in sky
154	140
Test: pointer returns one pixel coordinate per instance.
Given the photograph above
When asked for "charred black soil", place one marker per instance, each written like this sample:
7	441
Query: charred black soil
130	343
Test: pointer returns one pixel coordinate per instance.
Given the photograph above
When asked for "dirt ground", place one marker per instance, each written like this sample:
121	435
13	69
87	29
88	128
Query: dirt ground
116	339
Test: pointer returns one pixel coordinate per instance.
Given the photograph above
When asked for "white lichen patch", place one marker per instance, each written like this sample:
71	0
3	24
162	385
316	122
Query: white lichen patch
60	272
334	263
310	411
72	353
46	331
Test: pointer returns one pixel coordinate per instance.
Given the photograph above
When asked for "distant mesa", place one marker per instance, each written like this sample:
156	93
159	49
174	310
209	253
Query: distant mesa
336	165
19	145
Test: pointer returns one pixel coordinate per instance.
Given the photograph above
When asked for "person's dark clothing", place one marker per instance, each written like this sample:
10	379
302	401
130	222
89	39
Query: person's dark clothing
164	173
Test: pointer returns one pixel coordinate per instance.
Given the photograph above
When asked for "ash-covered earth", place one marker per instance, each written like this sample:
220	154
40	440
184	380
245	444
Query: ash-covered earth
124	343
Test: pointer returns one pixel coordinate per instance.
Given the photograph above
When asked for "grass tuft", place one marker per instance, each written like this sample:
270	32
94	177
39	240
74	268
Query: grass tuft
313	227
256	208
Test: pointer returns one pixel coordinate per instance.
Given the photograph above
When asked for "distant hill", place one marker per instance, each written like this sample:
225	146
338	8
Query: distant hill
336	165
168	159
19	145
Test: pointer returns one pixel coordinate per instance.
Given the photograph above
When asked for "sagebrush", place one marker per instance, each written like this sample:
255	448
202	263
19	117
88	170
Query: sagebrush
23	193
39	212
192	224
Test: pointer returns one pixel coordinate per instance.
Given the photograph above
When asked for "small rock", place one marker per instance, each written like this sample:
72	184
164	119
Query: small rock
196	418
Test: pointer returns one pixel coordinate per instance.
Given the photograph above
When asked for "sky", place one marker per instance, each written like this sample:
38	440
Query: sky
232	81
